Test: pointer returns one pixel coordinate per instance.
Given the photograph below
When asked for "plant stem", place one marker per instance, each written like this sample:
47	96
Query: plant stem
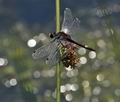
58	65
58	83
57	15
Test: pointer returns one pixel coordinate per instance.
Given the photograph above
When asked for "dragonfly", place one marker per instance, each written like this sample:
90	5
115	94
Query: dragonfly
62	45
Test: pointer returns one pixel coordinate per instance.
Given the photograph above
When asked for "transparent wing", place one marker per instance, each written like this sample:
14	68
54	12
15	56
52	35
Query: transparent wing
67	20
70	25
53	58
45	50
75	26
74	31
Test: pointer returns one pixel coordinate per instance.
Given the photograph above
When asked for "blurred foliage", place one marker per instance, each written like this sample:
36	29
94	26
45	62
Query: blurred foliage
26	80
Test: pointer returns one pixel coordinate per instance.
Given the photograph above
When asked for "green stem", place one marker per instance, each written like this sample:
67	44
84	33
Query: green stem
58	83
57	15
58	65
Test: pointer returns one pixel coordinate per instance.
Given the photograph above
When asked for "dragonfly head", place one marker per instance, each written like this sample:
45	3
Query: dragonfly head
52	35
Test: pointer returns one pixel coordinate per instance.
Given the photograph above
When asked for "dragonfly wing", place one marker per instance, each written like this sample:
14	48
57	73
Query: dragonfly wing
75	27
44	51
74	31
71	25
67	21
53	58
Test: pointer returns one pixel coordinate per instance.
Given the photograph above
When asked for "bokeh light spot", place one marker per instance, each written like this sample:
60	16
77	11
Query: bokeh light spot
62	89
69	97
100	77
82	51
96	90
117	92
13	82
36	74
101	43
68	87
7	84
83	60
31	43
92	54
3	61
74	87
85	84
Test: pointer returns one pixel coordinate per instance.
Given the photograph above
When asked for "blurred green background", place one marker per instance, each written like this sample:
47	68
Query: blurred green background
23	79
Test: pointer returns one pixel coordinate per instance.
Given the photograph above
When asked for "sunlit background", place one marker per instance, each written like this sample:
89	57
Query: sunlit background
24	27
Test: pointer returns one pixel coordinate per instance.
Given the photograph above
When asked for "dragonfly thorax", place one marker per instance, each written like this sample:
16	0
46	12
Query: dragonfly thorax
58	35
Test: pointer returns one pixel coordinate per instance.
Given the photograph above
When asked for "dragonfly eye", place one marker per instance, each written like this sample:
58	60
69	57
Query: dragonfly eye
51	35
